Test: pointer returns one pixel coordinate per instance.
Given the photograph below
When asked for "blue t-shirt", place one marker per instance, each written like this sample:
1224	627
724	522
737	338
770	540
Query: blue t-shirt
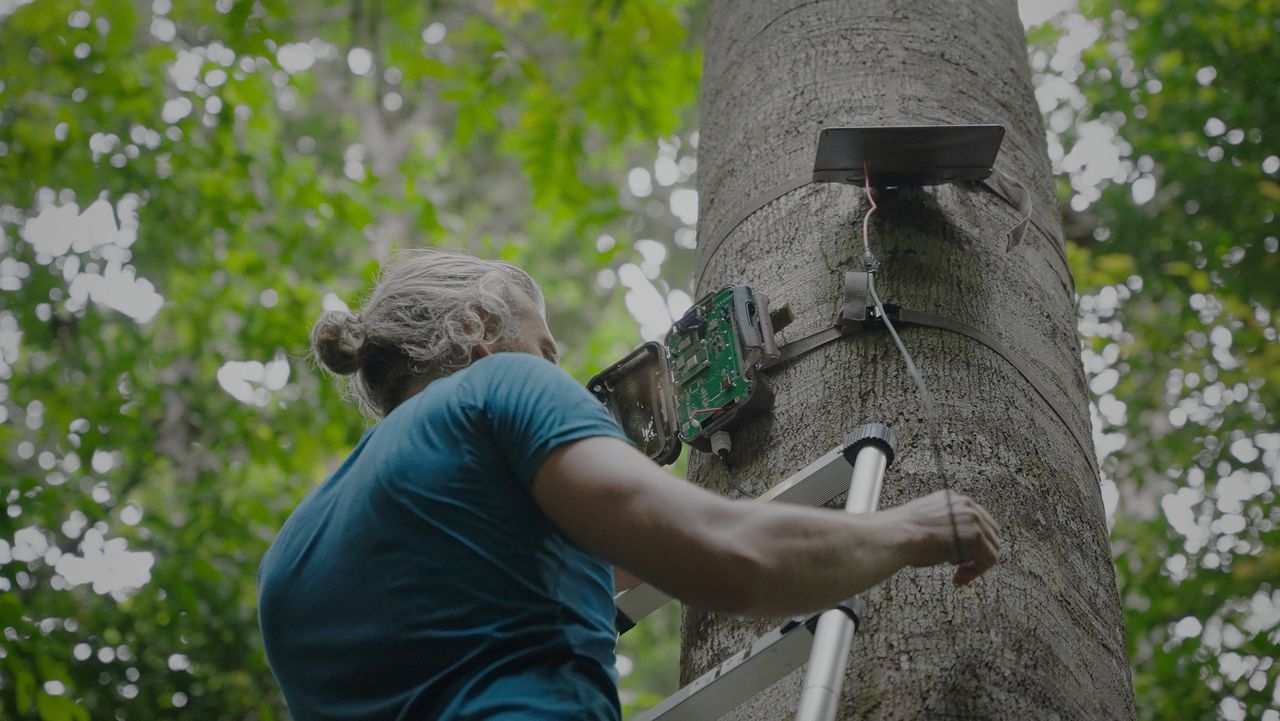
422	581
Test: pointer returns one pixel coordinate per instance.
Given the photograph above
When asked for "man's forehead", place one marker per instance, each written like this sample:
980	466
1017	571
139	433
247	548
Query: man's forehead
529	304
535	298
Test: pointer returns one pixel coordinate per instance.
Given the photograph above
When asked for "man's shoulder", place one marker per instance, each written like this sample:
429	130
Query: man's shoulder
500	378
505	373
504	364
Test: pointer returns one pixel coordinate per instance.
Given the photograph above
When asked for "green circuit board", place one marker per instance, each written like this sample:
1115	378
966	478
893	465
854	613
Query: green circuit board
706	360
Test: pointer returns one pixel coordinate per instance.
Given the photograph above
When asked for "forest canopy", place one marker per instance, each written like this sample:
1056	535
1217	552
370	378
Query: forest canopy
185	186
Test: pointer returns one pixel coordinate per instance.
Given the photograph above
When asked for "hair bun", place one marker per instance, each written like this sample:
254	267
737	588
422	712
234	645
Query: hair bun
338	340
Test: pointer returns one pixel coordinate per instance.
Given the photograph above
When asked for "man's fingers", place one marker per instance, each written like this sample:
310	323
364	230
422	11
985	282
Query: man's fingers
950	517
990	528
966	574
982	547
980	526
982	558
986	516
975	510
980	544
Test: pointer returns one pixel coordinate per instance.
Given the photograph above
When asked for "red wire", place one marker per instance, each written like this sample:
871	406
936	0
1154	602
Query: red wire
705	410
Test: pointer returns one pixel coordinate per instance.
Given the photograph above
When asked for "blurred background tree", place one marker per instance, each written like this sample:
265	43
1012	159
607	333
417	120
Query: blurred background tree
1164	127
184	186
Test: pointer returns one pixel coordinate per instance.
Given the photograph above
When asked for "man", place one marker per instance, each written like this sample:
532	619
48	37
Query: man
459	564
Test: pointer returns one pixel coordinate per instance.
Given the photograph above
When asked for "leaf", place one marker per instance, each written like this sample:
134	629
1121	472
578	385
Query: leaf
60	708
277	189
24	687
1269	189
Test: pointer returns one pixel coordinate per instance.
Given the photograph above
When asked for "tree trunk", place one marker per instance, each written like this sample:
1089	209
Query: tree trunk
1041	636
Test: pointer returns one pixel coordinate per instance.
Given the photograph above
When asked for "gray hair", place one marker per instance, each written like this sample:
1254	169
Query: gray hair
428	309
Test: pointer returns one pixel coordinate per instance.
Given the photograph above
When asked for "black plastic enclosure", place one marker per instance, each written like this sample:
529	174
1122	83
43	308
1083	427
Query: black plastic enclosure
704	379
640	393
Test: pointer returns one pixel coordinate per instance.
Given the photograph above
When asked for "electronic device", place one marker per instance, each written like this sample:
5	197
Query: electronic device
703	380
716	349
641	394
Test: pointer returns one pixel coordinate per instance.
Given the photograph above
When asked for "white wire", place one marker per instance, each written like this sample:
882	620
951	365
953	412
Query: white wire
871	266
930	414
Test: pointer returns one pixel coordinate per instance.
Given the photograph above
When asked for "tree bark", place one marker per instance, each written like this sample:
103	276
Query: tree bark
1041	636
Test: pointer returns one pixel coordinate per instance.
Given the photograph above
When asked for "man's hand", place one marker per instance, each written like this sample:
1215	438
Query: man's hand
929	537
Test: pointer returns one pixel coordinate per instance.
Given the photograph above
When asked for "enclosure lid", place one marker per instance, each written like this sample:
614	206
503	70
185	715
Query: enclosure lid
640	393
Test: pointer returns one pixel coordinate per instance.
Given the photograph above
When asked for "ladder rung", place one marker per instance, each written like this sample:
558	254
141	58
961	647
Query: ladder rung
739	678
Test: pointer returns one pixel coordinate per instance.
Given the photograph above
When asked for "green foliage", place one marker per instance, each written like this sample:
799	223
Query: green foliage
653	650
256	158
1180	284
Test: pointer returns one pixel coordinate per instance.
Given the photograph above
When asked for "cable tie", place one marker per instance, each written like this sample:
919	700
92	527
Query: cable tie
869	263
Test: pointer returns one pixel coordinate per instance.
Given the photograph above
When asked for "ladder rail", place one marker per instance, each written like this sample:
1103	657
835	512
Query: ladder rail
824	674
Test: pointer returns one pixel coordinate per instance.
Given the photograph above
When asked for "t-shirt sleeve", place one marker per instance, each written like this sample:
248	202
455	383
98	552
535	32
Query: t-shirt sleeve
530	406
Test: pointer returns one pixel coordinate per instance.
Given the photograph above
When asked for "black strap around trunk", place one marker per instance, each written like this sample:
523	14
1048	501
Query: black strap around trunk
857	317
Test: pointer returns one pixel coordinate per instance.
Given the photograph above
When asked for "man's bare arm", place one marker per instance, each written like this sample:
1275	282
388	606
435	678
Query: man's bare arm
739	557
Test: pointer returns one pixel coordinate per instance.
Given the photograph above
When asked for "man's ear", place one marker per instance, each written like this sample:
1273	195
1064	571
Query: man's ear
489	339
490	336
